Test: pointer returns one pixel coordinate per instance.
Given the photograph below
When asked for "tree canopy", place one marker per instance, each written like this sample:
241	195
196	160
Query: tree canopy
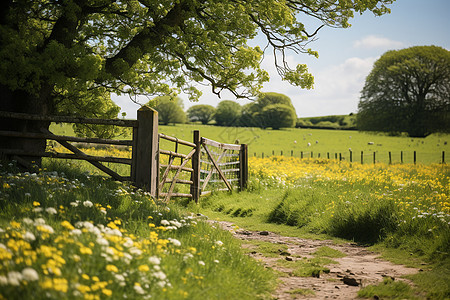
65	56
270	110
228	113
407	90
202	112
169	110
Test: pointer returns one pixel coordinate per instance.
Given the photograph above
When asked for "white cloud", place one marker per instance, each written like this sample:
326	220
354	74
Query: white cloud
373	41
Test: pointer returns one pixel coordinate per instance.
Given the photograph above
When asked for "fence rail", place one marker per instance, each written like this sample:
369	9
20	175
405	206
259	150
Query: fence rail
146	171
361	156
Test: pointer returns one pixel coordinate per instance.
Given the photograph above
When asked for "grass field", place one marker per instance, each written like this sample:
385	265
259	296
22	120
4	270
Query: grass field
334	142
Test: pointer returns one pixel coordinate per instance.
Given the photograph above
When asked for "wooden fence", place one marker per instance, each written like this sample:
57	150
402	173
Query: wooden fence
147	172
362	157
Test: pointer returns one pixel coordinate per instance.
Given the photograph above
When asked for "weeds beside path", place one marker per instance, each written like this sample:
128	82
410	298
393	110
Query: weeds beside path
317	269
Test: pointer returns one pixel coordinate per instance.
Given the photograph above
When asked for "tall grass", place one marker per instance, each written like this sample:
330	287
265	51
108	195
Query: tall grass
404	207
68	234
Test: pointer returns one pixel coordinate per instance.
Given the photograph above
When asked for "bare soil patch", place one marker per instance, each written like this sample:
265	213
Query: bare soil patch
359	268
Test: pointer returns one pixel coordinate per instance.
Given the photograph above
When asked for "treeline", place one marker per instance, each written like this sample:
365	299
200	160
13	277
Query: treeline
270	110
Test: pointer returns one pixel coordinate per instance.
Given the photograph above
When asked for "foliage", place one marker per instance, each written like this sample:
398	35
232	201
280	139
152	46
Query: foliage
401	207
270	110
278	116
170	110
388	289
202	112
333	121
227	113
66	234
408	91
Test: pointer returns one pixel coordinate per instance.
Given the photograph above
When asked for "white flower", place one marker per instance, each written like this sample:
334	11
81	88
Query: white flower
102	241
14	278
165	223
51	210
39	221
175	242
3	280
200	262
27	221
176	223
88	203
219	243
160	275
37	209
128	243
30	274
216	261
47	228
135	251
187	256
27	195
74	204
29	237
76	232
154	260
139	289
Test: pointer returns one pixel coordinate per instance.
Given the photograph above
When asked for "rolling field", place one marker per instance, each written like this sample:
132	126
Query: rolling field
318	141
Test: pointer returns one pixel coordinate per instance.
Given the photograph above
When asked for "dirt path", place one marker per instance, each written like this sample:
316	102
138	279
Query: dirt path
357	269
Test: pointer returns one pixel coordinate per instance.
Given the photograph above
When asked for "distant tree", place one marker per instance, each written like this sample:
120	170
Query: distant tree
169	110
278	116
257	114
228	113
407	91
202	112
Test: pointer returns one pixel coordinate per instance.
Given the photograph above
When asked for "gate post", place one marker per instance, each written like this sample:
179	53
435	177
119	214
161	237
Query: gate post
195	187
243	166
145	160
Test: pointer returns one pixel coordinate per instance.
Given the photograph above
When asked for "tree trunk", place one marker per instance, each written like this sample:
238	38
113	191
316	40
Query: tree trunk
23	102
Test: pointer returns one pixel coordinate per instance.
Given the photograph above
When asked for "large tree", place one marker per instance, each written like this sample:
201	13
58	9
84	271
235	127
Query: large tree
201	112
408	91
228	113
170	110
62	57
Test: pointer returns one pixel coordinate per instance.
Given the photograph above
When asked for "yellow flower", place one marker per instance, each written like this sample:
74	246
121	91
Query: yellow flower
85	276
6	185
85	250
35	203
14	224
143	268
67	225
112	268
107	292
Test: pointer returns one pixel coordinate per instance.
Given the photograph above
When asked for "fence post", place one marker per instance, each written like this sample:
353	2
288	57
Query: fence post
390	157
351	156
145	160
362	157
401	156
243	173
415	157
443	157
195	187
374	157
301	154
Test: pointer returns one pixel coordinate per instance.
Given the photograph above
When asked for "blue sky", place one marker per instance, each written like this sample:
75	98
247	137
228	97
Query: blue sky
346	57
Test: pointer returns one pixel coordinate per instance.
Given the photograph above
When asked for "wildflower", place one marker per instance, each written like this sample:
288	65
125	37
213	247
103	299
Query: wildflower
175	242
51	210
216	261
67	225
160	275
88	203
29	237
74	204
143	268
14	278
137	287
201	262
85	250
3	280
154	260
45	228
35	203
219	243
76	232
165	222
112	268
30	274
107	292
14	224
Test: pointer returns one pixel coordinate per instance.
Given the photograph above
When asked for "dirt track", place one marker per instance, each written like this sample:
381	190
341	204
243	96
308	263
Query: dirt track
357	269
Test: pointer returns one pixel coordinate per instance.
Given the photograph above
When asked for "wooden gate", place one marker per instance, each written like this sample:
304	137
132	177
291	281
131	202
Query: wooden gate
210	166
